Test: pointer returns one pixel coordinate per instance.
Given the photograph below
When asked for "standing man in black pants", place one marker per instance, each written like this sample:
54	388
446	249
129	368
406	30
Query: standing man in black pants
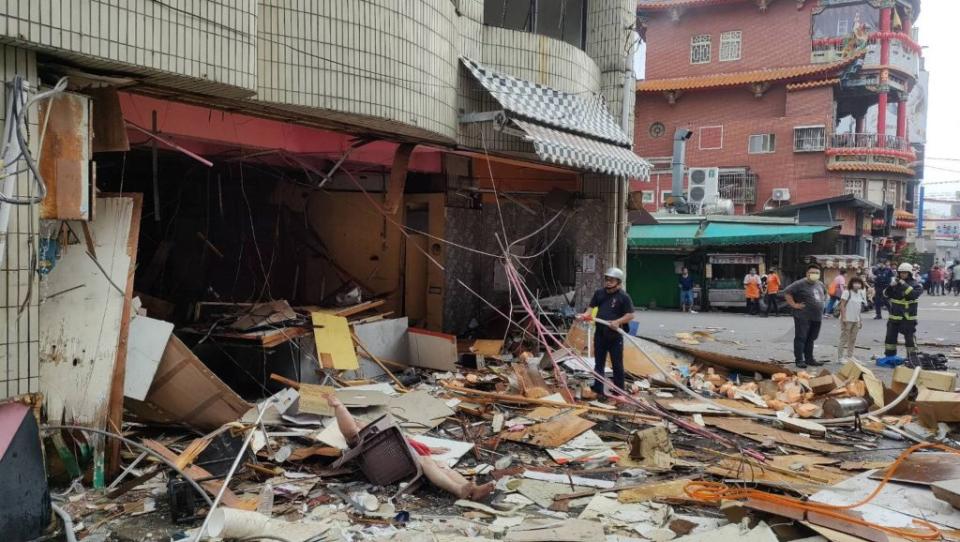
806	297
612	305
882	276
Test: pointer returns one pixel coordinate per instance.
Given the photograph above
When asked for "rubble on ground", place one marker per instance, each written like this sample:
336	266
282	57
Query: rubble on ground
704	445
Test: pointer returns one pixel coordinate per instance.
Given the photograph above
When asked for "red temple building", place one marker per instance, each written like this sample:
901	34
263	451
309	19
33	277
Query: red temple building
791	104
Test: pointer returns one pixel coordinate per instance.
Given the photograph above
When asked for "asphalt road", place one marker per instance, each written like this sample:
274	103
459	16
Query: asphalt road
771	339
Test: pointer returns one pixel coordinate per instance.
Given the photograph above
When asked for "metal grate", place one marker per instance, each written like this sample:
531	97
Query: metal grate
730	45
700	49
809	138
854	186
738	185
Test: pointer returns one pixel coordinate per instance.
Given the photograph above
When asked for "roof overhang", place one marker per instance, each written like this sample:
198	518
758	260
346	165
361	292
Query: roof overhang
764	76
566	129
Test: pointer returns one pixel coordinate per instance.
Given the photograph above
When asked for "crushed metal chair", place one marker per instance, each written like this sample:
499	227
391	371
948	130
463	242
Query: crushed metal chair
384	455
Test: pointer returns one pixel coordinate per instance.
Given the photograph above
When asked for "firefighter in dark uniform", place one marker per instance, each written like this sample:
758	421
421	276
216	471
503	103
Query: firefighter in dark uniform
902	295
612	305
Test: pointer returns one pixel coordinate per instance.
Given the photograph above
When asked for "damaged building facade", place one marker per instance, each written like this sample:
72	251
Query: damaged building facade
261	150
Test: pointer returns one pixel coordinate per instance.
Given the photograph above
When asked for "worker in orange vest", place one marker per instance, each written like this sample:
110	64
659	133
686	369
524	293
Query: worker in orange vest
773	289
751	287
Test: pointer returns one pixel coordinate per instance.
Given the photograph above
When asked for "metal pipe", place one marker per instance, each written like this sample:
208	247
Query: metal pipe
67	522
680	137
170	144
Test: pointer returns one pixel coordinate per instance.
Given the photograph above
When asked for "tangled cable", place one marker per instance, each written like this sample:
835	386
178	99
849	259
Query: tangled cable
714	492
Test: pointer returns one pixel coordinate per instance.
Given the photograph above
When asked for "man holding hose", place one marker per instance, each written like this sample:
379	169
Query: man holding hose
613	305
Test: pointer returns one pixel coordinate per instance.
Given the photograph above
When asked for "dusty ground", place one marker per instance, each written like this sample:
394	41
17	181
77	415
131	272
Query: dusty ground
771	339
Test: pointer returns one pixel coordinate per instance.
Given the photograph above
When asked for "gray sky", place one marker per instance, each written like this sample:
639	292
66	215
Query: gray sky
937	25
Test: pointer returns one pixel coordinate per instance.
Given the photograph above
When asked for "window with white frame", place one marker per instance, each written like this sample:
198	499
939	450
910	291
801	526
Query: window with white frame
730	45
647	196
700	49
762	143
854	186
809	138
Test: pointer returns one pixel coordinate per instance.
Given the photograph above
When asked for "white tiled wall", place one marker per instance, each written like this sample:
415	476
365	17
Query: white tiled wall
19	349
205	46
374	58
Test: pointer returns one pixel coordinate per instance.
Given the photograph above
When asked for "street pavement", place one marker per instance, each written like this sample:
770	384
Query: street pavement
771	339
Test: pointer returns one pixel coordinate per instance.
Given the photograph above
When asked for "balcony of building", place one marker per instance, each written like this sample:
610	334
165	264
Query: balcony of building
870	153
904	61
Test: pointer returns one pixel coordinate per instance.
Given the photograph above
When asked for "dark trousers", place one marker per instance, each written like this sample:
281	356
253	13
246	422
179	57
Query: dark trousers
805	332
771	300
753	305
879	301
601	347
908	328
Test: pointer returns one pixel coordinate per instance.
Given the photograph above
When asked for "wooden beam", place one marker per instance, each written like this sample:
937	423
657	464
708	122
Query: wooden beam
115	404
398	177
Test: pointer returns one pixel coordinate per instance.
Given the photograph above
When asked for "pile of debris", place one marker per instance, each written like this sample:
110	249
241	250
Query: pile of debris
473	440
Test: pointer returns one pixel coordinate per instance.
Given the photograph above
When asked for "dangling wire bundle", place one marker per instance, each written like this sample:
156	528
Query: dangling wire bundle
15	144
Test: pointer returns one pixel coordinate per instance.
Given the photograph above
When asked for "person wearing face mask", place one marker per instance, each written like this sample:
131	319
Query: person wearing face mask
613	305
852	302
806	297
903	294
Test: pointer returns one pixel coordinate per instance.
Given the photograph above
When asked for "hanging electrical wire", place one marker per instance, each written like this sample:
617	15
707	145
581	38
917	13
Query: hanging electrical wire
15	143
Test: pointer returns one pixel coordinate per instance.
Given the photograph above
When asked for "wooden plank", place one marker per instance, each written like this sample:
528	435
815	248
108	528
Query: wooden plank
230	499
120	365
487	347
398	177
759	433
332	336
313	400
552	433
530	380
185	391
725	360
672	489
352	310
947	491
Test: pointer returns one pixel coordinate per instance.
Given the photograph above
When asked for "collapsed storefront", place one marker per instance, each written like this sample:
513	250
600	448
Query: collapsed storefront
231	229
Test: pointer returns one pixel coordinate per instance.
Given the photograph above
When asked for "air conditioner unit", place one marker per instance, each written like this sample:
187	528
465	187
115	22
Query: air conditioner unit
703	185
781	194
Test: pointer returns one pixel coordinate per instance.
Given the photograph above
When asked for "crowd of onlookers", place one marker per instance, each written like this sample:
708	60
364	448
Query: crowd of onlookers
942	279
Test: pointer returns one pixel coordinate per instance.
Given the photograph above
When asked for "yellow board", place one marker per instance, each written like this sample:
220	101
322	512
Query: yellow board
332	335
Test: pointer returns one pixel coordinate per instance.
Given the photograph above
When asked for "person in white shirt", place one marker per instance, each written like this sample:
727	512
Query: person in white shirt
852	301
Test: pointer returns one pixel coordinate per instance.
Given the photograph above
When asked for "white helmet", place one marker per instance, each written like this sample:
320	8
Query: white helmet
615	273
905	268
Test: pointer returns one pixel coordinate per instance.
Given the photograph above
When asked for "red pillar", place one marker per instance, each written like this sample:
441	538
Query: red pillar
907	26
885	21
882	114
902	118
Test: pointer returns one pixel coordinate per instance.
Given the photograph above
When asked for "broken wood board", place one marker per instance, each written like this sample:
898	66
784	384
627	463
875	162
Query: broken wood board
347	312
530	380
490	348
586	447
925	468
332	336
82	332
937	406
264	314
692	406
759	433
836	536
552	530
185	391
64	160
432	350
419	411
553	433
638	358
807	473
147	342
934	380
229	499
887	507
725	360
671	490
577	337
313	400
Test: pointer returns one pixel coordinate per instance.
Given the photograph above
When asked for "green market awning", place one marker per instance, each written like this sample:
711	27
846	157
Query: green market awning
716	234
663	236
723	233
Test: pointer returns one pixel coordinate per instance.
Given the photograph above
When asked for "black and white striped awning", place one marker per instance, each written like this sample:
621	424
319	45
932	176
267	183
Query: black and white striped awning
567	129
